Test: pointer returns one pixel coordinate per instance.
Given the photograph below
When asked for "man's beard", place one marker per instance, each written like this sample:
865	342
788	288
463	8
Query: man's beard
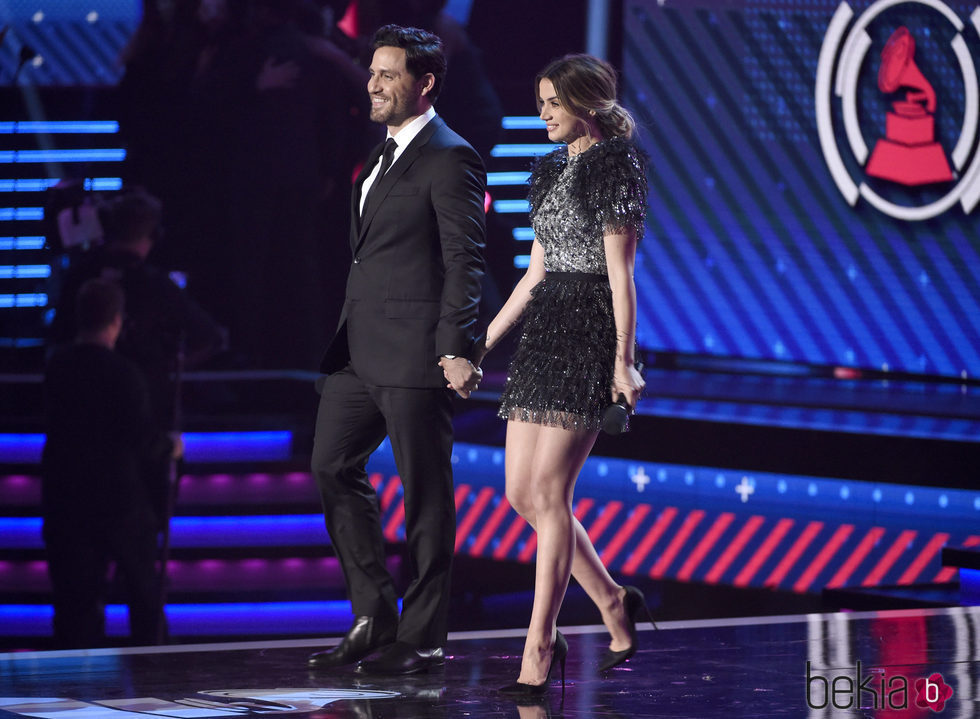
392	112
384	113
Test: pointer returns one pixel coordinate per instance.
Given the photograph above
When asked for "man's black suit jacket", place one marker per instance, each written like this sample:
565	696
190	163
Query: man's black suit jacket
413	291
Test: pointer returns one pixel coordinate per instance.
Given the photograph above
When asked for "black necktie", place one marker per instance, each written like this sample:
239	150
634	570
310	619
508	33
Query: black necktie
386	157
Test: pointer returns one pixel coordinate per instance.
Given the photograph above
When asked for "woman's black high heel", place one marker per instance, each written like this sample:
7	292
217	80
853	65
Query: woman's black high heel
635	605
532	691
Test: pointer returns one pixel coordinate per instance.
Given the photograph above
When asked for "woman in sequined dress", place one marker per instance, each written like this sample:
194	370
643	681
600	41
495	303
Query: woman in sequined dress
577	302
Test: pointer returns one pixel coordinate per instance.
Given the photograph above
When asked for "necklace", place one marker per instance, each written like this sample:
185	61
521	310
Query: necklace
574	147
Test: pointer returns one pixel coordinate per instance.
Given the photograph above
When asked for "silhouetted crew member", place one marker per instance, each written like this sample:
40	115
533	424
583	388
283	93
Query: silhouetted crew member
97	500
160	316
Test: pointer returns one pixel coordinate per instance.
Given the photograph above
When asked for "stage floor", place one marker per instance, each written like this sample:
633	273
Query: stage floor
872	664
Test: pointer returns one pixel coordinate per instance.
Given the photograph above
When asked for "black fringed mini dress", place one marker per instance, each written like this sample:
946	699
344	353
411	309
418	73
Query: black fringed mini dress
562	372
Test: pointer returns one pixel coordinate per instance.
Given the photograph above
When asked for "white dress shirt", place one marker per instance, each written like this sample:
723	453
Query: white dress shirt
402	140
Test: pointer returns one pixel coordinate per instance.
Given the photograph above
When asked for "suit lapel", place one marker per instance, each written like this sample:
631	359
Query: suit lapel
391	178
355	200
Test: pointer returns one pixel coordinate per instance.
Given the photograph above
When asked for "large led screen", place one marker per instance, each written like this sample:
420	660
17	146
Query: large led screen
815	180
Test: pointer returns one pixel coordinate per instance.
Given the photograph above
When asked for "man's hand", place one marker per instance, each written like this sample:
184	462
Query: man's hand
461	375
178	445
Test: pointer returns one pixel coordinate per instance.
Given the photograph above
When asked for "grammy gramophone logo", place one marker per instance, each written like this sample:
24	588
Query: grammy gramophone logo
907	152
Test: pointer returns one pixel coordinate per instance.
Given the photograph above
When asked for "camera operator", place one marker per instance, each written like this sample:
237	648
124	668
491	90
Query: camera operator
162	321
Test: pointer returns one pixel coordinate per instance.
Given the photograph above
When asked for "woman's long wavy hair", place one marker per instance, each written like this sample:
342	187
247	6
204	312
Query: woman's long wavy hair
586	86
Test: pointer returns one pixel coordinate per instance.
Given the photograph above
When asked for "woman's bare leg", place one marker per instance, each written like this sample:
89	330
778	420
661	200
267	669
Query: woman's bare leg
588	570
542	465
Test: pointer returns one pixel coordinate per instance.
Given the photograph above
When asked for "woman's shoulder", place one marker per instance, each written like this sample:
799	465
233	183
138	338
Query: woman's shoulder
611	165
615	152
613	179
550	164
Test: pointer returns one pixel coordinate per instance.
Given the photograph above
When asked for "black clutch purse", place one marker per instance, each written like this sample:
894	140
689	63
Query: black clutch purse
616	417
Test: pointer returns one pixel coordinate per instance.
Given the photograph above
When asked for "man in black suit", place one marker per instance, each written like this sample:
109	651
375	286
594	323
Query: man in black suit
406	329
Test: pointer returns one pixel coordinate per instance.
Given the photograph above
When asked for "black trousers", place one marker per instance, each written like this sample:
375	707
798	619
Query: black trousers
79	551
352	421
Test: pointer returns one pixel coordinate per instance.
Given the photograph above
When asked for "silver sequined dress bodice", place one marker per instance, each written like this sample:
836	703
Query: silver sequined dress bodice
562	370
563	228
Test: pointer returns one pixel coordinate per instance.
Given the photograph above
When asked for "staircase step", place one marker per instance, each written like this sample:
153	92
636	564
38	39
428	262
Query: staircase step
209	579
250	492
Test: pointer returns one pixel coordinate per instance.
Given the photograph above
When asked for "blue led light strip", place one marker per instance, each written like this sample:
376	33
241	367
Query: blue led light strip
500	179
969	586
522	122
24	272
524	234
20	533
24	300
27	242
522	262
8	157
104	184
533	150
99	184
32	620
510	206
251	531
60	127
198	446
21	342
10	214
280	530
237	446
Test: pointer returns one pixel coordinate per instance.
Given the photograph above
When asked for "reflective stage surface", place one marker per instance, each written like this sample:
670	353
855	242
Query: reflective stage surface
881	664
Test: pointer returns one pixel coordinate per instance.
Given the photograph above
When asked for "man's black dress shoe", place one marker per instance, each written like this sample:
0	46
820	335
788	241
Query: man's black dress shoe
368	634
403	658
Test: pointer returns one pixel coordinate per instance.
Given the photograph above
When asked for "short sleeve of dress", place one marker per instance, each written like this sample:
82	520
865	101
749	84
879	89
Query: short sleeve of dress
617	186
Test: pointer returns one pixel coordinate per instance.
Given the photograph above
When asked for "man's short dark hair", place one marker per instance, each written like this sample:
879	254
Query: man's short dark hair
130	216
98	303
423	52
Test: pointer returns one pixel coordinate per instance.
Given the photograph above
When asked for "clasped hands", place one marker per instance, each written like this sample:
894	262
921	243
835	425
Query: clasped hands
461	375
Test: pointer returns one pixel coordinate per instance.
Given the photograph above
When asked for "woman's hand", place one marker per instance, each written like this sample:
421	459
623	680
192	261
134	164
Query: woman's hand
479	351
628	382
